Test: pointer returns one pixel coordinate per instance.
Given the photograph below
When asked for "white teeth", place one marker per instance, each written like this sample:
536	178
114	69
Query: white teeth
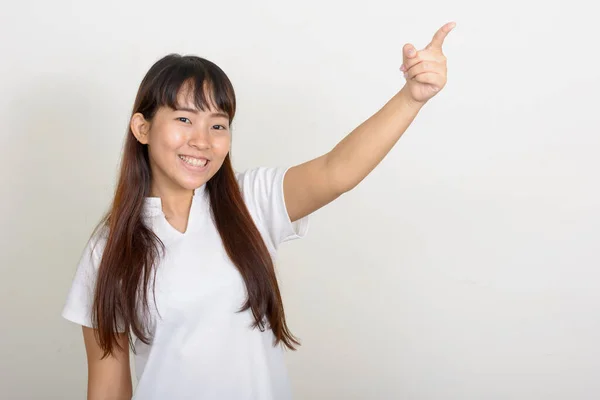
193	161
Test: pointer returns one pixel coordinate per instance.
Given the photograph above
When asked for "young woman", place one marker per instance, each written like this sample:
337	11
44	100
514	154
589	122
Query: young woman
181	268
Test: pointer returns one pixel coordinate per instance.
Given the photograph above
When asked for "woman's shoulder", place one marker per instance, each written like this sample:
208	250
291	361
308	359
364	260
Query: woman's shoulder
260	177
262	188
96	243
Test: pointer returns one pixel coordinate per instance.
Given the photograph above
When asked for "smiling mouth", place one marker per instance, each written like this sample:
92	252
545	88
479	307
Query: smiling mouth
194	162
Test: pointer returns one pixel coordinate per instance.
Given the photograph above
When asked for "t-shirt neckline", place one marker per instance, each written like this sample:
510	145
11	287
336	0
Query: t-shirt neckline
153	205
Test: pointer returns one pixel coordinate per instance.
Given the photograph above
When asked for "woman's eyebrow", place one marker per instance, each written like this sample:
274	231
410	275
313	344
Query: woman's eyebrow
195	111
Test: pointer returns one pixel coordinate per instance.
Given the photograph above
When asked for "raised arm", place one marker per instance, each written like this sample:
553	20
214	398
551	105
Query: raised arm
313	184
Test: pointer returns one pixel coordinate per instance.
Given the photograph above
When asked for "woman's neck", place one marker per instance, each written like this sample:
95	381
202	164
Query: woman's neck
175	202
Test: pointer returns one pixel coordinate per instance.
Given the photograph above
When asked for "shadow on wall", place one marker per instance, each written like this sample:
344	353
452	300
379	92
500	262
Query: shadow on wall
59	163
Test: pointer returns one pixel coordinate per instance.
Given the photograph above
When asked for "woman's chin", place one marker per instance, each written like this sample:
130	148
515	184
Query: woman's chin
193	181
191	184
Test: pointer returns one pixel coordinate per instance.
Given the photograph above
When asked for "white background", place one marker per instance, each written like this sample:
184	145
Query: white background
464	267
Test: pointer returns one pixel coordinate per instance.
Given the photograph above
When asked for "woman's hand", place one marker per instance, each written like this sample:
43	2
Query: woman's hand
425	70
315	183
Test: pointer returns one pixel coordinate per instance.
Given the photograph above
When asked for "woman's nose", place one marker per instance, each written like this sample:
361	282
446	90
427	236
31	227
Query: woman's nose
200	138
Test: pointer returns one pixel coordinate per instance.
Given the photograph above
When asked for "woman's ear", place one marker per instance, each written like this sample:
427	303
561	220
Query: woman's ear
140	127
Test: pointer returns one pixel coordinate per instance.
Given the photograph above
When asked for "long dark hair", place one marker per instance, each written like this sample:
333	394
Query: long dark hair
132	250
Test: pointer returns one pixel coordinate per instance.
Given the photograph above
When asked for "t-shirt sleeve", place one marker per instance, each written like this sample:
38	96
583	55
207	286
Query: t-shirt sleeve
80	298
262	189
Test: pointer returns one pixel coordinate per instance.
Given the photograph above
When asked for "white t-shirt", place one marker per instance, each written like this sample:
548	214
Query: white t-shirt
202	347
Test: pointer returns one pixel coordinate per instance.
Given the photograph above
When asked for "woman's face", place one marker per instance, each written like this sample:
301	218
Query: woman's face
186	146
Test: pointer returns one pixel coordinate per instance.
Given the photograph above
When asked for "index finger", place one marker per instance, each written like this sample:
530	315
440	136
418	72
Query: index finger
440	35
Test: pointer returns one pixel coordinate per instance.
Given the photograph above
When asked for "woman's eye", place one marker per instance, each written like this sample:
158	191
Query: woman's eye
184	120
218	127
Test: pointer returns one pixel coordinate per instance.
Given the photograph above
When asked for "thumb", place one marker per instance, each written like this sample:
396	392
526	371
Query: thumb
409	52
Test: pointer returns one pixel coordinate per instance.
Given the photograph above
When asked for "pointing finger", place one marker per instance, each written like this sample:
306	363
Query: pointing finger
440	35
